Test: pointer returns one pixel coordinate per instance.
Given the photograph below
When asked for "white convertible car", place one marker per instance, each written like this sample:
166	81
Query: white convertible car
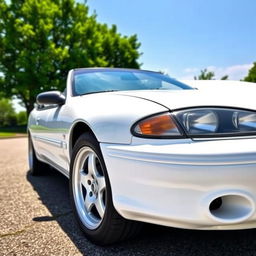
138	146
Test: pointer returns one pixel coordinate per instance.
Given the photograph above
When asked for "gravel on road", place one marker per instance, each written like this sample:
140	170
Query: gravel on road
36	219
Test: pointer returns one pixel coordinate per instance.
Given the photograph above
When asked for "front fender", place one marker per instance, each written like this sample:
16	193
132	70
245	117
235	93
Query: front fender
111	116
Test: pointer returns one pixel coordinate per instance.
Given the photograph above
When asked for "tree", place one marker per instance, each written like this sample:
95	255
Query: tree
22	118
7	113
251	77
208	75
205	75
41	40
224	77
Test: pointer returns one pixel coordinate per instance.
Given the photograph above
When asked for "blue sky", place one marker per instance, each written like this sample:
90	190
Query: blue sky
181	37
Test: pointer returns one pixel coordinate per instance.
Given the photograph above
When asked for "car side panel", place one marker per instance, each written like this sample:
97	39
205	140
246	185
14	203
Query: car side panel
47	131
109	116
37	128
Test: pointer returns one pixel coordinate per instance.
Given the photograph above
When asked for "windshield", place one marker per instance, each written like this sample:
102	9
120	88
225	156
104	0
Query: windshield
92	81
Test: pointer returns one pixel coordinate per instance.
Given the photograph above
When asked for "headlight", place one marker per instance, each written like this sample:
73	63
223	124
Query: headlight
207	122
157	126
196	123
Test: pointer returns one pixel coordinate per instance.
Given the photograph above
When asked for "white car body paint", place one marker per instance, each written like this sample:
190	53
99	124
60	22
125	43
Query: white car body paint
163	181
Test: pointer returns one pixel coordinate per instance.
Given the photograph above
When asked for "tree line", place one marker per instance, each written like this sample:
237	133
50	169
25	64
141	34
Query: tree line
209	75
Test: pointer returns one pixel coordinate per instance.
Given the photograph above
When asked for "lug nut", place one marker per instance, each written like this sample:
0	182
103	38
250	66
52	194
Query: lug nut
90	194
89	182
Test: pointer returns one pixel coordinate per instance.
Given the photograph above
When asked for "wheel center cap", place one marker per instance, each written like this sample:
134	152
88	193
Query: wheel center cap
94	187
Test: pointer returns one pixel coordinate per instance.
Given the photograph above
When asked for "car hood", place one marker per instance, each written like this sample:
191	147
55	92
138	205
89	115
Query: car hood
237	97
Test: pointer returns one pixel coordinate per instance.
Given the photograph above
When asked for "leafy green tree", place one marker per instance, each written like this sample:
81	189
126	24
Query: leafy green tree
7	113
21	118
205	75
251	77
208	75
41	40
224	77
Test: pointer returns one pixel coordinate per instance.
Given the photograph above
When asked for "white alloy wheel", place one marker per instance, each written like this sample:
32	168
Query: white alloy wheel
89	188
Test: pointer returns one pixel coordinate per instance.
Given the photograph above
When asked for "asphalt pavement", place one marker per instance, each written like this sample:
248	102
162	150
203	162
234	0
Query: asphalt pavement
36	219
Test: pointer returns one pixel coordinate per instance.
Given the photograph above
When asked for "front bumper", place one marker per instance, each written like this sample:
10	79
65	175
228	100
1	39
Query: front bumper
175	184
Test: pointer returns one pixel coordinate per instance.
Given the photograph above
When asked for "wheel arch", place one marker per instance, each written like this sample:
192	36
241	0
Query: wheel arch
80	127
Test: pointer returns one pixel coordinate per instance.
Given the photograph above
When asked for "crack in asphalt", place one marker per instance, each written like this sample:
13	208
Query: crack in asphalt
37	219
18	231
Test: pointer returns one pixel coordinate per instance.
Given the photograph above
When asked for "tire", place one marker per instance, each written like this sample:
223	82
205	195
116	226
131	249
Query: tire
36	167
91	200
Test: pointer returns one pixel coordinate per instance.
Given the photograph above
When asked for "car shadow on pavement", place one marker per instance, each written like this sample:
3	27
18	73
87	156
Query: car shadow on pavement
52	189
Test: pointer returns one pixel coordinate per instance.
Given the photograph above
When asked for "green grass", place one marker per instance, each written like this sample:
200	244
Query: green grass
7	134
12	131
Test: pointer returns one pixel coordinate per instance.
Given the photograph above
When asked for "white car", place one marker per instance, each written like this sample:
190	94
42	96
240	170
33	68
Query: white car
139	146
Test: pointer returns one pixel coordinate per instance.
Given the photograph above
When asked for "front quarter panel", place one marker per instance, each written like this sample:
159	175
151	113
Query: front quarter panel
110	116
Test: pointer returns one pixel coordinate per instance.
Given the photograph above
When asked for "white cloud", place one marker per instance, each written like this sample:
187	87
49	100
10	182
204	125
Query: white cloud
187	77
235	72
191	70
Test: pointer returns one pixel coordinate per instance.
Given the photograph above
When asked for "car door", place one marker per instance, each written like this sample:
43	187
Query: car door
58	130
49	135
38	124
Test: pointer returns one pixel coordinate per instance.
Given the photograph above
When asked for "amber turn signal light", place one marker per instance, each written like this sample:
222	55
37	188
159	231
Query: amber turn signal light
157	125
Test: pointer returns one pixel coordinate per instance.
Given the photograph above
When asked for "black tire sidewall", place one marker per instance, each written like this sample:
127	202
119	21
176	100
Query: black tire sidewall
34	165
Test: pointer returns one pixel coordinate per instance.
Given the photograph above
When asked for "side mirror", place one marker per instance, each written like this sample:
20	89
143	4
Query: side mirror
50	98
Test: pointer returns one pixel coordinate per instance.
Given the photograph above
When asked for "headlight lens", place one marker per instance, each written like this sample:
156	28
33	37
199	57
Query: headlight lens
198	122
157	126
244	120
206	122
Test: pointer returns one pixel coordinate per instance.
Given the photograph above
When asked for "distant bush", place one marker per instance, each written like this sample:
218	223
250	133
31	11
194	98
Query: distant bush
7	114
21	118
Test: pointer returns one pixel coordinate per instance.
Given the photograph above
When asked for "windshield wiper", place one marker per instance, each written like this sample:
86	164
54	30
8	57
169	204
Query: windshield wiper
98	92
